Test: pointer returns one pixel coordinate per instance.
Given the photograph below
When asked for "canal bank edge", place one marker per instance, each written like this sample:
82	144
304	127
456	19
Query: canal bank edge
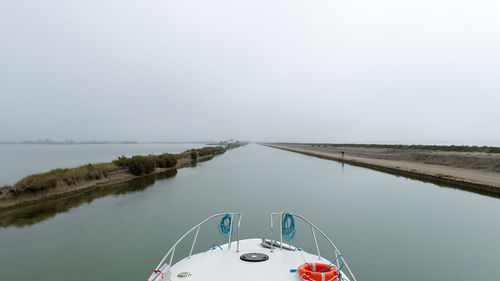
120	176
464	184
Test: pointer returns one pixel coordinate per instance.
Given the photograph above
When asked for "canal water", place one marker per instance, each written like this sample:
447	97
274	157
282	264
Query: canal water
388	227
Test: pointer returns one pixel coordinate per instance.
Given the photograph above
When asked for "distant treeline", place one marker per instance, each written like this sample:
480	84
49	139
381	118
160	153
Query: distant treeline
136	165
139	164
458	148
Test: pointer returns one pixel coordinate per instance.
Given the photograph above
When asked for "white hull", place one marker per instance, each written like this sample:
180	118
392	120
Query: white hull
226	264
253	259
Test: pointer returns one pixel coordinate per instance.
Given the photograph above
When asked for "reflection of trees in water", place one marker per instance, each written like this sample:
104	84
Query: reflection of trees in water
36	213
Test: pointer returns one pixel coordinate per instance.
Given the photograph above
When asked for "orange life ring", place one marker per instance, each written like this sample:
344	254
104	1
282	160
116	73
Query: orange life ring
318	272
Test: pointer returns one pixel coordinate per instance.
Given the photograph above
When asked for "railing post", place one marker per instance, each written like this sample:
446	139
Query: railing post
238	234
316	242
172	257
272	242
281	231
230	232
197	227
194	241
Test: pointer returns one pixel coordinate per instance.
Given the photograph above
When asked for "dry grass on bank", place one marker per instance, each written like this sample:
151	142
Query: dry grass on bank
71	176
136	165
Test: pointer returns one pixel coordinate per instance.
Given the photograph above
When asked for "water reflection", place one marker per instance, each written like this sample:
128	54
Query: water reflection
446	185
435	181
36	213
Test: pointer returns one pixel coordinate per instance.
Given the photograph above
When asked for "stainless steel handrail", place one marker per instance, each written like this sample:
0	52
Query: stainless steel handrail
159	271
313	229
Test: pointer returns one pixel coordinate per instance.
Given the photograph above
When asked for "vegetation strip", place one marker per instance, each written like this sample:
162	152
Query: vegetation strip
61	182
411	173
455	148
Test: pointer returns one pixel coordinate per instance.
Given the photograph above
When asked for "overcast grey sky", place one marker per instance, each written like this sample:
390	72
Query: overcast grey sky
272	70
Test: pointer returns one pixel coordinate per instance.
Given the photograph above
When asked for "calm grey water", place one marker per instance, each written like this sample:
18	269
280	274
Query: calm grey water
20	160
388	227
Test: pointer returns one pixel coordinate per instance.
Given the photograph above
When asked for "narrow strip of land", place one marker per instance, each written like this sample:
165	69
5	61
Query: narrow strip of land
118	176
59	183
475	171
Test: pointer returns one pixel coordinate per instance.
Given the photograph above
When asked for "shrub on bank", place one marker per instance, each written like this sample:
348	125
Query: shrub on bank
139	165
194	155
165	160
122	161
210	150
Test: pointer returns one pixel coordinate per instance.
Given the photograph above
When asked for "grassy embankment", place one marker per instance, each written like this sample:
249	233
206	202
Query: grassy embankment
136	165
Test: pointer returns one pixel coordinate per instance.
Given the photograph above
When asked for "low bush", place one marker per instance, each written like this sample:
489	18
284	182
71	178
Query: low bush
139	165
194	154
210	150
165	160
122	161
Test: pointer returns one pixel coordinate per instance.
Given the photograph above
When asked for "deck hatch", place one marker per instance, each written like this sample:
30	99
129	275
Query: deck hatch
254	257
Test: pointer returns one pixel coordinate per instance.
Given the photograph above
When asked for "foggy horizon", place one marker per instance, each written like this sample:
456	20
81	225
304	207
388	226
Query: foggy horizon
49	141
404	72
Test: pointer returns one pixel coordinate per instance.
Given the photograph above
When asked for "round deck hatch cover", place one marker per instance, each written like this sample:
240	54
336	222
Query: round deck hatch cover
254	257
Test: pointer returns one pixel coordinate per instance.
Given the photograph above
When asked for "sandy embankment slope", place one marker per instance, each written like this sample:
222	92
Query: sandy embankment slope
476	171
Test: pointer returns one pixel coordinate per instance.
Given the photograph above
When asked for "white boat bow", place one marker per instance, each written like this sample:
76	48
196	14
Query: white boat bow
249	259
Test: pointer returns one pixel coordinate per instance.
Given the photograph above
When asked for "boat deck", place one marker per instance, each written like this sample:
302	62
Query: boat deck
226	264
251	259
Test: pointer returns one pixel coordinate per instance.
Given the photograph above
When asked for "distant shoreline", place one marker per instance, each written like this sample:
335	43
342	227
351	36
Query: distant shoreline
50	142
474	171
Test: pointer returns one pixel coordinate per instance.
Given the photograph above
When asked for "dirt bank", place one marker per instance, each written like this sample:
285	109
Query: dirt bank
119	176
469	170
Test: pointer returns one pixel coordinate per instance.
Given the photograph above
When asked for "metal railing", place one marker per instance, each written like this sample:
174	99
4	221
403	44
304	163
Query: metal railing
163	269
313	230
